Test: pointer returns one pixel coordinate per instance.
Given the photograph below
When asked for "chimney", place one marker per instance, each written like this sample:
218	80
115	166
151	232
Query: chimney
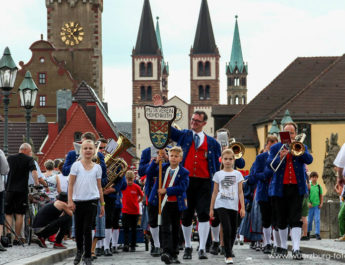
62	118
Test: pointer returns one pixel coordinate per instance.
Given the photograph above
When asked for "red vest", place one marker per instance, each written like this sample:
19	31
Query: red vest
196	161
289	174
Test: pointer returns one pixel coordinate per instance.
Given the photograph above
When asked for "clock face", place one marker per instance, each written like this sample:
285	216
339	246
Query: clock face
178	114
72	33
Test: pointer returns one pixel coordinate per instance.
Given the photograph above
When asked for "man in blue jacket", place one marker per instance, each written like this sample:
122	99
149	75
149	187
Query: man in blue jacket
287	188
201	158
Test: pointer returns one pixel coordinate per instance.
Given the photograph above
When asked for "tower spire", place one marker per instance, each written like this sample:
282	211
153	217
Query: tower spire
146	40
236	59
204	42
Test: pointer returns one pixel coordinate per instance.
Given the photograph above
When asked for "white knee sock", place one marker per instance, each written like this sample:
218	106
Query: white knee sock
215	233
93	234
296	233
115	237
155	236
267	235
203	230
187	234
107	238
99	243
241	237
283	233
276	238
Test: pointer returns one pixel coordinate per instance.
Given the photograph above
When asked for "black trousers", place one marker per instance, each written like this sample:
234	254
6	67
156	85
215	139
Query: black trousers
109	211
153	215
228	219
84	216
289	207
61	224
129	222
266	213
117	213
170	228
199	199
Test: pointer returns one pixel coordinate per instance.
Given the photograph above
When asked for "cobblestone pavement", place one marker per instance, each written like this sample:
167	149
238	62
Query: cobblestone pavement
244	255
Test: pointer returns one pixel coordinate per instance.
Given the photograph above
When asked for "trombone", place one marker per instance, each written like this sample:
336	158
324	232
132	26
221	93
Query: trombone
296	148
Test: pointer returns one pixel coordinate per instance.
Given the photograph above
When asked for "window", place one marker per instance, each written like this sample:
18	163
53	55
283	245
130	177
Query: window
138	115
201	93
230	82
243	81
142	93
305	128
149	93
149	69
77	136
236	100
207	69
244	100
236	81
200	69
42	78
164	83
42	60
43	100
229	100
142	69
138	130
207	92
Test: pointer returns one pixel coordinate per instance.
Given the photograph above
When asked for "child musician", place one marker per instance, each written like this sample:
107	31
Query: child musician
227	191
84	191
175	182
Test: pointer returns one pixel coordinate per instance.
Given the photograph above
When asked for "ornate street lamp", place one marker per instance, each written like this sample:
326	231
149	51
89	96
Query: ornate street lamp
28	92
8	73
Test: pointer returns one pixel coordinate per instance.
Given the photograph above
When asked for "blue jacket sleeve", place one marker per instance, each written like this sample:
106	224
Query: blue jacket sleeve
120	185
182	185
144	162
306	158
240	163
104	179
175	134
151	171
70	159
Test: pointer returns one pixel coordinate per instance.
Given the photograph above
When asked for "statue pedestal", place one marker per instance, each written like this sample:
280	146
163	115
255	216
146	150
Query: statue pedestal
329	225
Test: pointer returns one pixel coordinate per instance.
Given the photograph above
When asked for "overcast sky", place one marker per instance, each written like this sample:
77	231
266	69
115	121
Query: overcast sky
273	33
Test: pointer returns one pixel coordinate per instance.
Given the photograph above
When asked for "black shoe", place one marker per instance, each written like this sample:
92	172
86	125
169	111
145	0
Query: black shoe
107	253
214	248
318	237
132	249
175	260
125	248
222	250
180	247
156	252
87	261
98	252
267	249
252	245
9	240
187	253
305	238
297	255
241	243
114	250
202	254
166	258
102	250
283	253
77	258
2	248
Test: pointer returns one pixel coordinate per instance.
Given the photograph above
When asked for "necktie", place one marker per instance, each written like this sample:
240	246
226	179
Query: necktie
196	141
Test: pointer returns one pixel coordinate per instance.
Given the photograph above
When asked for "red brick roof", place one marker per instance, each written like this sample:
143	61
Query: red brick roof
301	88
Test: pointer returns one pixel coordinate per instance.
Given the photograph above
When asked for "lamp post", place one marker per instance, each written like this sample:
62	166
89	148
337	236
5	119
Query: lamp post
28	92
8	73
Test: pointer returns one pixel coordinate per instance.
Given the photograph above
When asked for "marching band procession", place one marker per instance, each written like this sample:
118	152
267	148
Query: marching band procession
189	178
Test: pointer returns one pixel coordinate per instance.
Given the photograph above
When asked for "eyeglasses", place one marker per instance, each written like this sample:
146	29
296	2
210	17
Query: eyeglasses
101	147
197	121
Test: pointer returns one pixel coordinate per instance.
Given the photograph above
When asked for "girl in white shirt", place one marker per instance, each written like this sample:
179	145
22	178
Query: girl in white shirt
227	192
84	191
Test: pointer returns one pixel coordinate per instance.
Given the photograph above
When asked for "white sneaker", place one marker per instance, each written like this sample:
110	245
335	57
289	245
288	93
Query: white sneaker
229	261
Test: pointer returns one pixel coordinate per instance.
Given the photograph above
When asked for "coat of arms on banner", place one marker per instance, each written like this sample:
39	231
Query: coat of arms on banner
160	119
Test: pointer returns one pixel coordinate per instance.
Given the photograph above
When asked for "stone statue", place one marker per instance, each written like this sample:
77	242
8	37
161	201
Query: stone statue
329	174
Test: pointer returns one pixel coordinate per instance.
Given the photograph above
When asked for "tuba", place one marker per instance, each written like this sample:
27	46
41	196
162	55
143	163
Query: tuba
223	137
237	147
117	167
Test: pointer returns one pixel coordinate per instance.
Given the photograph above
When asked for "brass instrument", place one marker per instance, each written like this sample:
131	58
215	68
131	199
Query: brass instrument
223	137
237	147
95	158
296	148
117	167
77	147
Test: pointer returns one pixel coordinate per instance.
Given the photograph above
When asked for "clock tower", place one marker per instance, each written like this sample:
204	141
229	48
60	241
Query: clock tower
75	30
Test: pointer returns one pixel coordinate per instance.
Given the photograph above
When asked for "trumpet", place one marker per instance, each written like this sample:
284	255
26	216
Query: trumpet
296	148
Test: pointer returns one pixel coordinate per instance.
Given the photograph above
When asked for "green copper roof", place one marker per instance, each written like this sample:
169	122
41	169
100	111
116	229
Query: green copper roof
160	46
274	129
236	59
6	60
28	82
287	118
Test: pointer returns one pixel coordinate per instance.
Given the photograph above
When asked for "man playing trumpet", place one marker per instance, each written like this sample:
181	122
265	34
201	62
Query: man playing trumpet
287	189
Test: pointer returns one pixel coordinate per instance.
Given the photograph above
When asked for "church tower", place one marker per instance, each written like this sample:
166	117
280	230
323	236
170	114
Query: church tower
204	62
164	66
148	70
75	30
236	72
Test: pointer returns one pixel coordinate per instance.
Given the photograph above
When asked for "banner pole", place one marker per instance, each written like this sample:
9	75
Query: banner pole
159	187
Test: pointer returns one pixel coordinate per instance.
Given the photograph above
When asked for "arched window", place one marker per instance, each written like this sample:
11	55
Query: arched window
201	93
229	100
142	93
244	100
236	100
149	93
149	69
230	81
236	81
207	92
142	69
207	69
243	81
200	69
77	136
